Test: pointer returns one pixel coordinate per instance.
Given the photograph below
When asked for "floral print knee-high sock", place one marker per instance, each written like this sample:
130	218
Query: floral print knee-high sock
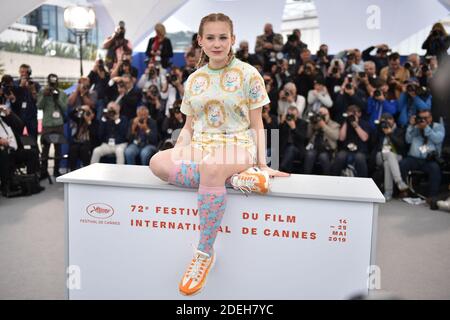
185	174
211	207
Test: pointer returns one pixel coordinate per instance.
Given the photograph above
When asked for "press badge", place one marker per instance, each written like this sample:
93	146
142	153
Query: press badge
112	142
24	105
56	115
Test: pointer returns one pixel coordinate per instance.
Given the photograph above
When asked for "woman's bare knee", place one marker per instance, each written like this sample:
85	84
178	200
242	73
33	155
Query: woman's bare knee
159	165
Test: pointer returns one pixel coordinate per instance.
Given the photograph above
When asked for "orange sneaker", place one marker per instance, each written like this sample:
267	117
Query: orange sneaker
251	180
194	278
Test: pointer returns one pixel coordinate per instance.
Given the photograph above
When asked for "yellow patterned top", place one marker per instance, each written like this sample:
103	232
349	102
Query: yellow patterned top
220	100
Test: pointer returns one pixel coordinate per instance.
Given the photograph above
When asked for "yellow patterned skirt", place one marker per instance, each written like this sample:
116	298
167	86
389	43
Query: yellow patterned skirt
209	142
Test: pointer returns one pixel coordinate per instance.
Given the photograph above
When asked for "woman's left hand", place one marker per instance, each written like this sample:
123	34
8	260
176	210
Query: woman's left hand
274	173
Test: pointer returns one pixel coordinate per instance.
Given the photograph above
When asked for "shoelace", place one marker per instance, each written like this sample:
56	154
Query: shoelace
244	184
196	268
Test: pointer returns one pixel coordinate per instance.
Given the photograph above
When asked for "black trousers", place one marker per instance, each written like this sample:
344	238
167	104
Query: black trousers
79	151
46	148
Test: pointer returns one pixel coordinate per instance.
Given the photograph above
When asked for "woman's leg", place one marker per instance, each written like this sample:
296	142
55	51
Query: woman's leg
215	168
178	166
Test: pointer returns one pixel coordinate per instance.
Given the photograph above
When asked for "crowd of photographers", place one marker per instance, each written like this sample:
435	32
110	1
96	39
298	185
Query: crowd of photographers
358	113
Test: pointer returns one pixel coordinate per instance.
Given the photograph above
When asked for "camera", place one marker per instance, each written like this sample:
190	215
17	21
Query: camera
420	120
286	93
315	118
153	90
425	68
434	156
377	93
411	88
101	65
172	78
349	86
290	117
408	65
383	124
6	89
141	121
109	114
349	118
81	113
362	74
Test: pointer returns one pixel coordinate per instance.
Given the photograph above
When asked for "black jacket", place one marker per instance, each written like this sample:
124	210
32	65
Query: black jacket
165	48
298	135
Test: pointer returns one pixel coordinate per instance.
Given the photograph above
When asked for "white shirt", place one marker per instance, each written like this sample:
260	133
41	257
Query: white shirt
7	133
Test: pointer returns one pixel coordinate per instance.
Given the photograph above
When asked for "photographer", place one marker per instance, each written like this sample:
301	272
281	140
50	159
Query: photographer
82	95
159	48
128	97
112	135
380	58
291	51
53	103
395	74
142	138
288	97
152	100
175	121
425	138
270	122
268	45
379	103
175	90
26	91
8	92
352	59
349	95
190	66
367	79
304	79
13	153
427	71
323	134
153	75
437	42
99	78
335	77
414	99
123	66
413	65
84	139
116	44
292	139
354	138
390	148
273	93
318	97
323	59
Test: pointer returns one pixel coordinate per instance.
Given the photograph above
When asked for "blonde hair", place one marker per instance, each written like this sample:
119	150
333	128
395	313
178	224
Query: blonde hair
213	17
159	28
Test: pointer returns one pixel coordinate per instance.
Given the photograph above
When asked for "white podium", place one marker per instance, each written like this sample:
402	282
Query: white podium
129	236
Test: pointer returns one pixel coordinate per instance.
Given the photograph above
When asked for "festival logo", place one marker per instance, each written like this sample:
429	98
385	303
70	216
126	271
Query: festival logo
100	210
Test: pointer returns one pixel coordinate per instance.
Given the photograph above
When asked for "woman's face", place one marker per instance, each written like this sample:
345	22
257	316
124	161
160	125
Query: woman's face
216	41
